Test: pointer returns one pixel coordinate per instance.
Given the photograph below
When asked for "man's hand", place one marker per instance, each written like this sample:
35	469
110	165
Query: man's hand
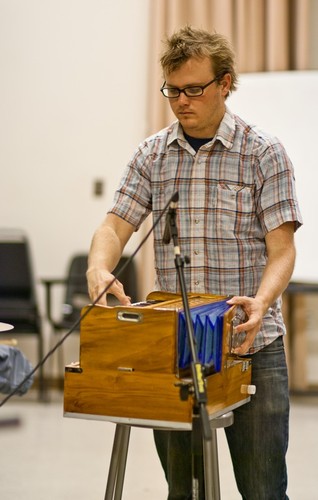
106	249
254	310
97	283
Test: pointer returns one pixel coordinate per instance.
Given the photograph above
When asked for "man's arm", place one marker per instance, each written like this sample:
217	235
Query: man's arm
106	249
277	273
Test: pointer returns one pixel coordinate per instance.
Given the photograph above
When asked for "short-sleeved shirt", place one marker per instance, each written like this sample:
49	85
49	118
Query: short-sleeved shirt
232	192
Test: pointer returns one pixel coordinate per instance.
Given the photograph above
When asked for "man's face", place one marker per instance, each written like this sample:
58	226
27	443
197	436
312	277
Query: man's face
199	116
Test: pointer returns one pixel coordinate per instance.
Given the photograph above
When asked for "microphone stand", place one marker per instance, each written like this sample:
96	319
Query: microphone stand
200	421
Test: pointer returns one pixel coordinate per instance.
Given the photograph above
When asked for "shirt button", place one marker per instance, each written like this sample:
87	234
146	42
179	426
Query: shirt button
196	252
197	283
197	221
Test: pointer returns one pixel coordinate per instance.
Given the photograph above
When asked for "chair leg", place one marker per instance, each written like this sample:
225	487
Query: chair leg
42	392
60	364
57	358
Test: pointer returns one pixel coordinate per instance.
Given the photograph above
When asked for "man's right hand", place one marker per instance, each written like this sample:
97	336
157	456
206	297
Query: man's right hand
99	280
106	249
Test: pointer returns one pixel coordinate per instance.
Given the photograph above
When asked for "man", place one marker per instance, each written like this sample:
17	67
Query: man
236	217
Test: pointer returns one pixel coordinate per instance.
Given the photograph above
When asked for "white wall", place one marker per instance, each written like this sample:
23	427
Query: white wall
73	108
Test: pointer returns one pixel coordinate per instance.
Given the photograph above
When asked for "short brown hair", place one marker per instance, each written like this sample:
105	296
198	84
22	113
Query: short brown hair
191	42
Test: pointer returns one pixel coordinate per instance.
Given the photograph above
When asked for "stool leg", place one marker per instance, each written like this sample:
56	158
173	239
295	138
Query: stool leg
211	468
116	474
122	463
211	460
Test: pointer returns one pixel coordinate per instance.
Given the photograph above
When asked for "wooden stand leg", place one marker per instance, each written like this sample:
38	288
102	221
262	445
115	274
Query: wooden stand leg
116	474
211	461
211	468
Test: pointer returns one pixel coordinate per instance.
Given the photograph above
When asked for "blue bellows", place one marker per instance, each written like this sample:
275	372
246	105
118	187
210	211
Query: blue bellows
207	323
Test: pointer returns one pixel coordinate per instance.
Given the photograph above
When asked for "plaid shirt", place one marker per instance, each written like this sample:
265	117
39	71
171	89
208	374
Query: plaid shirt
235	189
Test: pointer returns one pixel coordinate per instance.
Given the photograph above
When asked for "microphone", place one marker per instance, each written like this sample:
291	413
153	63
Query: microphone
171	213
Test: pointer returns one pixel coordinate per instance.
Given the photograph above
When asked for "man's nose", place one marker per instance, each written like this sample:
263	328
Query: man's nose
183	98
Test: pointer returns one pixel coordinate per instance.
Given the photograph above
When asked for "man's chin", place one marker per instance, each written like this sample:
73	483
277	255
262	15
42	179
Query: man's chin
188	123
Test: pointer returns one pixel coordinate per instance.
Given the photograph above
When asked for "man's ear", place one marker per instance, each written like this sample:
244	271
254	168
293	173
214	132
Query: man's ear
225	84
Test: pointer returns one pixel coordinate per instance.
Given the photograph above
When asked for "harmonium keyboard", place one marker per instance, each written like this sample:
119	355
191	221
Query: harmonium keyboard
135	362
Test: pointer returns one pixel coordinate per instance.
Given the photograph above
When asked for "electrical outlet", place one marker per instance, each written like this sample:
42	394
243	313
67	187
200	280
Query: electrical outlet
98	187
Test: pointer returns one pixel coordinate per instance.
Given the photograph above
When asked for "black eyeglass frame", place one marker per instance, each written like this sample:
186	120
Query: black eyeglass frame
185	89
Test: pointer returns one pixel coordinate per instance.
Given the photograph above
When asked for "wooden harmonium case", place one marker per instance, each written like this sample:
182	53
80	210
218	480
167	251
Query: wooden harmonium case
135	362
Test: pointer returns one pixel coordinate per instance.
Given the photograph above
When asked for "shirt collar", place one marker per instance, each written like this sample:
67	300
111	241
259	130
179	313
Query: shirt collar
224	134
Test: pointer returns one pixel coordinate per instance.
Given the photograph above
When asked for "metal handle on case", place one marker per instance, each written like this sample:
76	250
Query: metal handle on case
133	317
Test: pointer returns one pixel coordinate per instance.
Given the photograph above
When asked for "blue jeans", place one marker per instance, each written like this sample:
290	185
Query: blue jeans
258	439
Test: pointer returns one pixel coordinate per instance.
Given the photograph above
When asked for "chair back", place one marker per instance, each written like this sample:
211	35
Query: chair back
18	302
76	292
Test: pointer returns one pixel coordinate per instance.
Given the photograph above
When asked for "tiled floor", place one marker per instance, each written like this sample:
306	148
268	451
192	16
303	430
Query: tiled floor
49	457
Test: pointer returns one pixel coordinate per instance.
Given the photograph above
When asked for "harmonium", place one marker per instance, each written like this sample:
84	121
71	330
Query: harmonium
135	361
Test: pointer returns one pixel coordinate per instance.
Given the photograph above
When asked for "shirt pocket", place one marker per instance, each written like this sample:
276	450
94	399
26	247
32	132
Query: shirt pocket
235	210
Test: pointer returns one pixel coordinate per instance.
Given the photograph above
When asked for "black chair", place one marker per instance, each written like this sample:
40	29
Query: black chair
18	301
76	295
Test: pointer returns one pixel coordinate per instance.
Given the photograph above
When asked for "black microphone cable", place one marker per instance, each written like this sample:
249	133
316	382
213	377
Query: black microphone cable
90	307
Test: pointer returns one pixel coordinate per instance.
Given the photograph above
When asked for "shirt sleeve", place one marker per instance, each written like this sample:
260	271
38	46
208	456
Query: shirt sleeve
132	200
277	200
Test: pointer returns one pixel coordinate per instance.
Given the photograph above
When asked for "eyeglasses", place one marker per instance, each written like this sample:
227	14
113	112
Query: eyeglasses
193	91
